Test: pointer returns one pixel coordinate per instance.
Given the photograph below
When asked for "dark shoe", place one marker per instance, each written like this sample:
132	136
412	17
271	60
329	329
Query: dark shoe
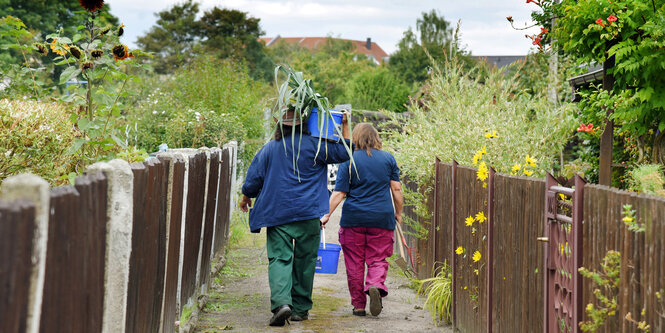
375	305
295	317
281	315
360	313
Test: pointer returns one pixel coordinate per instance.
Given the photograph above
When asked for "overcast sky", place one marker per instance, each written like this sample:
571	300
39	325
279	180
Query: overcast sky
484	29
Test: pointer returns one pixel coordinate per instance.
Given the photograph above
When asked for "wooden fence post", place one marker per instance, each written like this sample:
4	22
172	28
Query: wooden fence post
36	189
490	251
454	242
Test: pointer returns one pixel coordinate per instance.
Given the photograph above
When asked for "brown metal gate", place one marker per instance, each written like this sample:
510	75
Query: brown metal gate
563	256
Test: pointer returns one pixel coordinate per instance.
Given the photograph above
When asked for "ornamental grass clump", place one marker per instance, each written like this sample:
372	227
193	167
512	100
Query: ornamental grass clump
438	294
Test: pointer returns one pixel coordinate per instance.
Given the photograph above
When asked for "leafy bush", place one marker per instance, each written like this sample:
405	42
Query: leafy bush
207	103
35	137
377	89
461	112
648	178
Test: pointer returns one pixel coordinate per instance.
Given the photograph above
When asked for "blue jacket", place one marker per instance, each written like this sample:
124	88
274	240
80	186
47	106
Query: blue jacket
286	194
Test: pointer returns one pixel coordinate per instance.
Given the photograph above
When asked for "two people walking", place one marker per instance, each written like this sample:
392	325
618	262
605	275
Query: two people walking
292	203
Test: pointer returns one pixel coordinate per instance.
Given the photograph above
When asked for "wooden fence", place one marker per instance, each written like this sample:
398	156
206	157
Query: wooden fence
503	291
177	205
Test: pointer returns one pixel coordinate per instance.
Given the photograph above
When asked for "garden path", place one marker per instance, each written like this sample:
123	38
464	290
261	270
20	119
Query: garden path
239	298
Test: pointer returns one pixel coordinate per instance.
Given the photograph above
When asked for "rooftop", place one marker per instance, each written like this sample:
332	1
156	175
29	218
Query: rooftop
369	48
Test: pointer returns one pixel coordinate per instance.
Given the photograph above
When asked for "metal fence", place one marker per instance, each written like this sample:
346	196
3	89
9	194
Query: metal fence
503	291
124	250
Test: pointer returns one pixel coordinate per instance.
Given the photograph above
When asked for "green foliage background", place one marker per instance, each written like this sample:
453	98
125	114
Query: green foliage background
206	103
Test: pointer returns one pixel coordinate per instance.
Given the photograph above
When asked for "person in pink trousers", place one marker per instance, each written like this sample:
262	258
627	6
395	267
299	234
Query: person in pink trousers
373	205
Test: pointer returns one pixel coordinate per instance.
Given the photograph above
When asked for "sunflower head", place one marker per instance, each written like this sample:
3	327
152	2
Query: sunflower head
87	65
121	30
120	52
96	53
105	31
92	5
40	48
75	51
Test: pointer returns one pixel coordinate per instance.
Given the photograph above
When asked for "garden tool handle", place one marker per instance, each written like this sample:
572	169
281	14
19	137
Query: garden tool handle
323	237
401	235
399	241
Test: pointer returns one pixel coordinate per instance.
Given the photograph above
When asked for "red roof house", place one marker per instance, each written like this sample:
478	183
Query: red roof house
368	48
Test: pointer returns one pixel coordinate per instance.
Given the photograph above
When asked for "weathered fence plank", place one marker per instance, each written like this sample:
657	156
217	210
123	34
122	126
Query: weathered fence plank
471	314
17	228
176	188
223	201
518	257
211	199
146	269
193	223
75	259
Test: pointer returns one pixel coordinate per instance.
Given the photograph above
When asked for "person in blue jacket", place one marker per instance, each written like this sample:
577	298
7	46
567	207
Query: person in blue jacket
290	200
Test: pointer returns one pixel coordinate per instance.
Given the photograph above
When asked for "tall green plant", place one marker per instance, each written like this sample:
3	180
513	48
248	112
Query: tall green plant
438	294
296	94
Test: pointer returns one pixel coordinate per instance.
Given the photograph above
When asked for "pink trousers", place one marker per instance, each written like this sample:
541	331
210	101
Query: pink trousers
366	246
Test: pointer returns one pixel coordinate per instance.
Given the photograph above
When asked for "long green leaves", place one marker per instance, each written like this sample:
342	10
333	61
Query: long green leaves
438	294
297	94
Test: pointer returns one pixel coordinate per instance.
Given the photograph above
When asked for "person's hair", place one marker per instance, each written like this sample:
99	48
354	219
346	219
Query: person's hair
366	137
278	135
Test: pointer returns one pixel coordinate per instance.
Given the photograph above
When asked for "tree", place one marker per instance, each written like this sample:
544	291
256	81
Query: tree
234	34
628	38
433	36
173	37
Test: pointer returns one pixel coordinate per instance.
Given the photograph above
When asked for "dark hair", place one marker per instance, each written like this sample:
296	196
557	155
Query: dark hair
366	137
285	130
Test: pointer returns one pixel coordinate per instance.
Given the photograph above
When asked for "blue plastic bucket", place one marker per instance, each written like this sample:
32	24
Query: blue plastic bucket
326	129
327	259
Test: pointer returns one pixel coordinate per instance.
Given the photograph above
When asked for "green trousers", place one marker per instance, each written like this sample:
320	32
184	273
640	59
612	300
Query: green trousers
292	251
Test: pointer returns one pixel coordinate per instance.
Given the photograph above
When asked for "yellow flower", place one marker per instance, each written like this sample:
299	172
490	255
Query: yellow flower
530	161
459	250
480	217
476	256
517	167
628	219
484	151
491	135
477	158
464	287
469	221
475	271
528	172
562	197
482	171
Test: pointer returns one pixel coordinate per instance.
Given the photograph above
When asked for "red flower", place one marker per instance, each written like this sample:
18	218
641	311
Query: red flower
611	18
536	41
586	128
600	21
543	31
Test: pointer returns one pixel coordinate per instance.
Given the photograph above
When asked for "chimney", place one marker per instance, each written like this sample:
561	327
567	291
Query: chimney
369	43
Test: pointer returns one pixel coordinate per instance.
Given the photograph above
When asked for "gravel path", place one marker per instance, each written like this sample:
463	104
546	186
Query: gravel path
239	299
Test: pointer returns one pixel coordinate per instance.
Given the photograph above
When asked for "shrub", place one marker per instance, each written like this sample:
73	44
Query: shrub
207	103
35	137
460	112
647	178
377	89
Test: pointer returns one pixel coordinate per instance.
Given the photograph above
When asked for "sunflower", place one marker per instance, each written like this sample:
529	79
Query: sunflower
120	52
92	5
87	65
40	48
96	53
75	51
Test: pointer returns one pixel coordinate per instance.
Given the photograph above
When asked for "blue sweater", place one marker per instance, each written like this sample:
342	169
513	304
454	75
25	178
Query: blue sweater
368	201
286	194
